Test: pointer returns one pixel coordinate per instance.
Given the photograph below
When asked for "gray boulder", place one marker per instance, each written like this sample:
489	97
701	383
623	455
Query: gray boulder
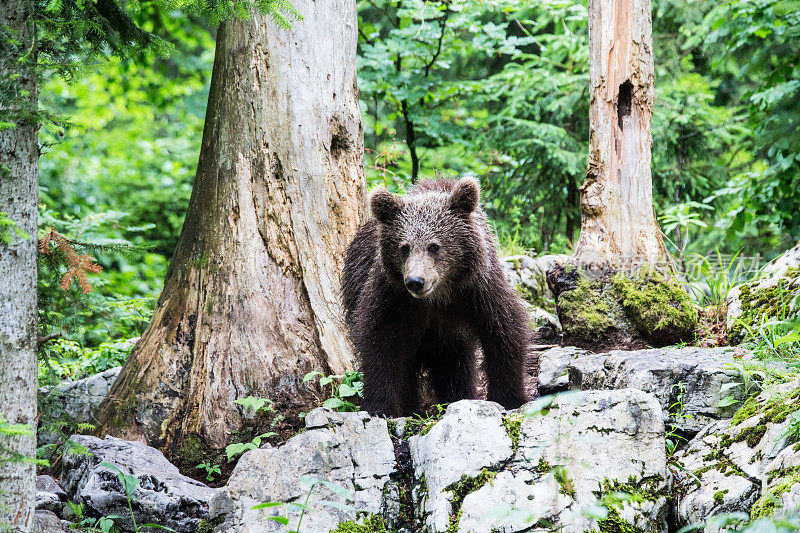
562	463
162	496
72	403
689	383
744	465
352	451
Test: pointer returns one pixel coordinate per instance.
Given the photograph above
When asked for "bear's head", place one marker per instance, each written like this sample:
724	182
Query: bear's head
430	240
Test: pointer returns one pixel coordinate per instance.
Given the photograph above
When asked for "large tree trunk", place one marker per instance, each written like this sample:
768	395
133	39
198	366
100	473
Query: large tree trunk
251	299
618	226
19	156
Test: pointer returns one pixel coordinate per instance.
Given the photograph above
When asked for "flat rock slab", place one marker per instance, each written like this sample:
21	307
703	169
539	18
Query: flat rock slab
689	382
350	450
750	464
554	463
162	496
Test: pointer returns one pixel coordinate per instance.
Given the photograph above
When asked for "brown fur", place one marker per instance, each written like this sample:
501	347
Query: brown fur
467	301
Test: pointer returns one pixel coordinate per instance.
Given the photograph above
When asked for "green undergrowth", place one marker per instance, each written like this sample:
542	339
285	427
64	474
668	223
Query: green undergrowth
420	425
463	488
371	524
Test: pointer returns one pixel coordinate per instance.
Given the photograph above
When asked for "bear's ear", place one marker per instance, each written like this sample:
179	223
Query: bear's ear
384	205
464	198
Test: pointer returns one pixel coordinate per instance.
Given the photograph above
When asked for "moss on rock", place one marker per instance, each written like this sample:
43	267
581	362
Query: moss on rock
513	424
776	301
657	305
371	524
613	495
463	488
584	313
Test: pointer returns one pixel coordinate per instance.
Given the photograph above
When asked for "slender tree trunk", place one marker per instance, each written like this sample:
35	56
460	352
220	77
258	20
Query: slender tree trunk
19	173
251	299
618	226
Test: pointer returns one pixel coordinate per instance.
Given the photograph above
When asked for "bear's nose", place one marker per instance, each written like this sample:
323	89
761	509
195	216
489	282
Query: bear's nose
415	283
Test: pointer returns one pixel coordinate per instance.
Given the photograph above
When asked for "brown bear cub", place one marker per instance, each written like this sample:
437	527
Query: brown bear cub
423	288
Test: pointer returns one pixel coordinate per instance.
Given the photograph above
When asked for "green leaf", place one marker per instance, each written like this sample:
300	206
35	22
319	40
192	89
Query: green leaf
266	505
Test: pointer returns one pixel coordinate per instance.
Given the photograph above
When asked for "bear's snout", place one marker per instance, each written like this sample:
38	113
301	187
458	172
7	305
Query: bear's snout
415	283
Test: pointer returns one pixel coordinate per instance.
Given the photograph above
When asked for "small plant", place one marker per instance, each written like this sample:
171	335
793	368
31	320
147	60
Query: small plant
237	448
308	505
210	470
749	384
420	425
104	524
346	389
254	404
677	409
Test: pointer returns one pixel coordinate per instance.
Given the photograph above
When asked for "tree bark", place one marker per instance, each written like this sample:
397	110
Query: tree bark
618	226
251	299
19	173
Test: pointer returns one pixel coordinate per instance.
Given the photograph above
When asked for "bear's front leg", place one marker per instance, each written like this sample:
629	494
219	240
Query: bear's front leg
502	327
391	371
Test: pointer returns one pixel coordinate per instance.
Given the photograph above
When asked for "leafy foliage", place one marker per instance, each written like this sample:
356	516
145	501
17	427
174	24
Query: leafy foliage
345	389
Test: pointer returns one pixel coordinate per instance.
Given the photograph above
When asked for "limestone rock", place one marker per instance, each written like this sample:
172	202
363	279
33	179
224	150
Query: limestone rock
162	496
731	466
782	269
529	274
49	495
695	374
573	453
350	450
781	484
554	368
73	402
469	438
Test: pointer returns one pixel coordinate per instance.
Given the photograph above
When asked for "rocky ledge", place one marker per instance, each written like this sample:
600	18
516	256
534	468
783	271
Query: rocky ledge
558	462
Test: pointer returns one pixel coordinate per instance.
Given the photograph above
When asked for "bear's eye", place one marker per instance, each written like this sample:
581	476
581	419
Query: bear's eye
433	248
405	250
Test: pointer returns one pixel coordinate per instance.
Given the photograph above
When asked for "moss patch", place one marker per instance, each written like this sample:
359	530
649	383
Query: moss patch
770	502
461	489
371	524
719	496
543	466
657	305
614	494
207	526
513	424
768	302
774	411
584	313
